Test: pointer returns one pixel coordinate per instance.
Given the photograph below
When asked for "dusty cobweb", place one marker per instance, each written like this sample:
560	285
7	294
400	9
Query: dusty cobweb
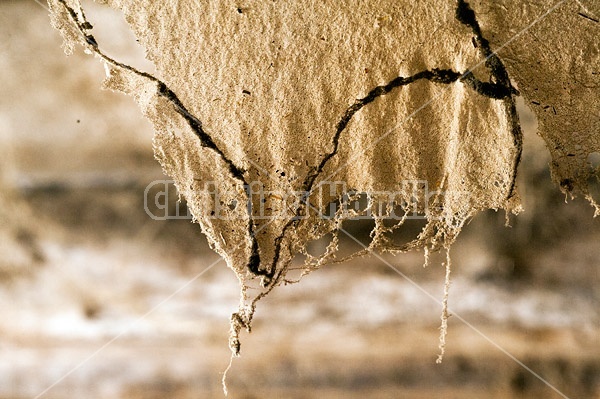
278	122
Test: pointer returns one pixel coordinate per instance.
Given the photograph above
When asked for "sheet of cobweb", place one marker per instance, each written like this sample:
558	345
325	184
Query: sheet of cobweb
275	119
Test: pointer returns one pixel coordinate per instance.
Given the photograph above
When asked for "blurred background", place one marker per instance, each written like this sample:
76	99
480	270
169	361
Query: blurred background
98	300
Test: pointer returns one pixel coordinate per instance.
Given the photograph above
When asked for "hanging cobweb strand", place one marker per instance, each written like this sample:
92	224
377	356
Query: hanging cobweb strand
445	313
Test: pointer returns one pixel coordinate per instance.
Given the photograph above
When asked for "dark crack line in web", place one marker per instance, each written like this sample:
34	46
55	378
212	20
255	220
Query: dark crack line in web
588	17
193	122
500	89
466	16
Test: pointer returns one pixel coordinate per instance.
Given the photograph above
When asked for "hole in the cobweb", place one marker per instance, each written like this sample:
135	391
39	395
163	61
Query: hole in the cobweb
396	213
355	235
232	205
318	247
408	231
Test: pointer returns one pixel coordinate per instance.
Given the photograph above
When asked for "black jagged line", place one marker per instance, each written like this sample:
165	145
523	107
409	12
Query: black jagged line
193	122
588	17
205	139
466	15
